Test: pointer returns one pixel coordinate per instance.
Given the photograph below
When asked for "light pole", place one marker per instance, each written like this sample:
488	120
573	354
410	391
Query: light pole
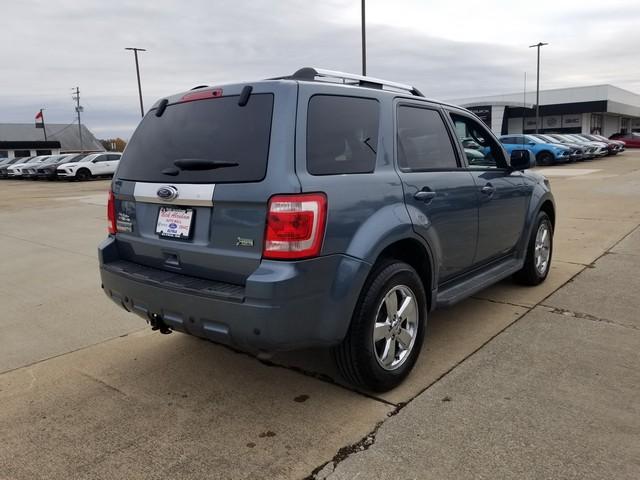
538	45
135	53
364	43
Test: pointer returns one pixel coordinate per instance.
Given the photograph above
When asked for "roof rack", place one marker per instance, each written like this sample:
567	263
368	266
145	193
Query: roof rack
309	73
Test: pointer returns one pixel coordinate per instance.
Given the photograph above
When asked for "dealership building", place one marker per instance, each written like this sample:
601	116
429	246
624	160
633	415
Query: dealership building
25	140
602	109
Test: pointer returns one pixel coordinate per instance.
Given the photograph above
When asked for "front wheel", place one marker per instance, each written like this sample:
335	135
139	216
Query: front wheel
544	158
83	174
539	252
387	328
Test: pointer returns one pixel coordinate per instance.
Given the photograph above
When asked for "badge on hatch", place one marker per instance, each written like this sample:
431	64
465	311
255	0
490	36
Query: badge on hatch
244	242
167	193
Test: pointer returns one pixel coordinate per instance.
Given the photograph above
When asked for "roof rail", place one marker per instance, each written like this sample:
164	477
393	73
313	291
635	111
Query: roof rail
309	73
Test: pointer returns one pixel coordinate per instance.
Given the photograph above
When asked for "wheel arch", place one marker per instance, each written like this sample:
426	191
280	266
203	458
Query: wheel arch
542	201
549	208
416	254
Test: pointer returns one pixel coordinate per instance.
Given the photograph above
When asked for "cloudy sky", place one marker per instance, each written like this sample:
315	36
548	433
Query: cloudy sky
448	49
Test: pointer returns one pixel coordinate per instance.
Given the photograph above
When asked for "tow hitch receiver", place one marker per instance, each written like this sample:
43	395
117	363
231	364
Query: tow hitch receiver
157	323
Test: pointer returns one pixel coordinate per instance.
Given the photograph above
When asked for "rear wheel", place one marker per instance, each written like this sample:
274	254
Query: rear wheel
83	174
544	158
539	252
387	328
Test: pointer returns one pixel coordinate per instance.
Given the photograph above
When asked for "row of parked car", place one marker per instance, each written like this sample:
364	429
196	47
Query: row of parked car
80	166
552	148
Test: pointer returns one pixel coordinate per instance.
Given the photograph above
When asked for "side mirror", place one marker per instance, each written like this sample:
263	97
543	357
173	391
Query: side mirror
522	160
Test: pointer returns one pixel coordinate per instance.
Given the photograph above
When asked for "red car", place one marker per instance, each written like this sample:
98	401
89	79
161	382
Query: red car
631	140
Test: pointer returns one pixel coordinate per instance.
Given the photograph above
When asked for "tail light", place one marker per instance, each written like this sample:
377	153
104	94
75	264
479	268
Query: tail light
111	214
295	226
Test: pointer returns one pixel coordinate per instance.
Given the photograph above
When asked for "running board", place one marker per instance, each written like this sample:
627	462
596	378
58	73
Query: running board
473	284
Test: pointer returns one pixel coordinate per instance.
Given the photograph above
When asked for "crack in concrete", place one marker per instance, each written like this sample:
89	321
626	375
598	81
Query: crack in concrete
587	316
501	302
102	382
363	444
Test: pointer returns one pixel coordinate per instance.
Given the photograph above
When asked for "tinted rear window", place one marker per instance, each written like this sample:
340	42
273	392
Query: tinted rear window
342	135
217	129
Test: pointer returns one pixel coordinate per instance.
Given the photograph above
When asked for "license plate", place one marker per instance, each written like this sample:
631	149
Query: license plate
175	222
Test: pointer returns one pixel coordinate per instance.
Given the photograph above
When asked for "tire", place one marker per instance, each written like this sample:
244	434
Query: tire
83	174
533	272
545	158
359	357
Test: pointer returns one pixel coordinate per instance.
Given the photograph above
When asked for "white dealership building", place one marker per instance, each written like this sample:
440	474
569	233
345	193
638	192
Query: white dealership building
602	109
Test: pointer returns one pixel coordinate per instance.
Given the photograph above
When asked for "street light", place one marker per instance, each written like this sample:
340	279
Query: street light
135	53
538	45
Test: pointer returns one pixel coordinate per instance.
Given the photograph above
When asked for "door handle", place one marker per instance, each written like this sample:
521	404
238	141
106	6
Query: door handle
425	196
488	190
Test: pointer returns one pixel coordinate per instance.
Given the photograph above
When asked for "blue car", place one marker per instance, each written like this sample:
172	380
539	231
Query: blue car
545	153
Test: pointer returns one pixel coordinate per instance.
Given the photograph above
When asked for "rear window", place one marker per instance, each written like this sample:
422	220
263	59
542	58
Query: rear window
342	135
216	129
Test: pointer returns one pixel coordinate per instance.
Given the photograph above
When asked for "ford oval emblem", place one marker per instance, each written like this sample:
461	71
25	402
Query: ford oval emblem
167	193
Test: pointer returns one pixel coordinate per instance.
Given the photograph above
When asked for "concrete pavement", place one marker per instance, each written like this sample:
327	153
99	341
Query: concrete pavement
89	393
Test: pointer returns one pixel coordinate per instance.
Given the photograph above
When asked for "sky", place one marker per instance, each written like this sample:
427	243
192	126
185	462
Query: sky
448	49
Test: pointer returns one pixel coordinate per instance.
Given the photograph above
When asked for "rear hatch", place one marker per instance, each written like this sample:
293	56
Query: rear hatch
192	188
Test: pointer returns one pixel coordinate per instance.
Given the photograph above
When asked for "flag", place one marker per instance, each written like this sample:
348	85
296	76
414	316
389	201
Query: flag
39	120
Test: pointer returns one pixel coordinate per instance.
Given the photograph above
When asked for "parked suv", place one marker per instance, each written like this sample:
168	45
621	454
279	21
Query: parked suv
91	166
318	209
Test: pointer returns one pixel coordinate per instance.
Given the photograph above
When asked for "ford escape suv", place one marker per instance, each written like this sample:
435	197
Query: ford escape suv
320	209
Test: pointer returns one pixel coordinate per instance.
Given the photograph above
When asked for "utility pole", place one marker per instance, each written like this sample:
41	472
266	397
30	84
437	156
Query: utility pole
364	43
538	45
135	54
76	97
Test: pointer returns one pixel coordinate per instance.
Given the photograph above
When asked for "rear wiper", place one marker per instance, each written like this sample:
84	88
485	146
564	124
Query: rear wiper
202	164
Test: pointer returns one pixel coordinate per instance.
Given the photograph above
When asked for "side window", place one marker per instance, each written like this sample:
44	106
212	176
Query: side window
342	134
423	140
114	157
100	158
490	154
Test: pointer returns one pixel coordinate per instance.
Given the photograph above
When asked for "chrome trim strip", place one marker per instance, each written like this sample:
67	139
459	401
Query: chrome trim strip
193	194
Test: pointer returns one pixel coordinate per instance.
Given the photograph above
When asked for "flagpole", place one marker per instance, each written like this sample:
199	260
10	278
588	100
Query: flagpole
44	127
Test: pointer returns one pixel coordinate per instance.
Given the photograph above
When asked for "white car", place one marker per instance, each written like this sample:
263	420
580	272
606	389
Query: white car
94	165
15	170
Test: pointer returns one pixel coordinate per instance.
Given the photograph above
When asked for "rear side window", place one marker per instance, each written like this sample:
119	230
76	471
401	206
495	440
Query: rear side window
423	140
342	134
216	129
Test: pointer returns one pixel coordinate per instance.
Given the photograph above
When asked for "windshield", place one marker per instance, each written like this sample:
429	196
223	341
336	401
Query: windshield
204	141
74	158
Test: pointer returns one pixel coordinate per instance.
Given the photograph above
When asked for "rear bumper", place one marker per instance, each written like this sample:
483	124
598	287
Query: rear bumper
282	306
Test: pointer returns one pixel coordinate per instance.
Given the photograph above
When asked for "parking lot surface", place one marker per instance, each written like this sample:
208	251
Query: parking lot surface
516	382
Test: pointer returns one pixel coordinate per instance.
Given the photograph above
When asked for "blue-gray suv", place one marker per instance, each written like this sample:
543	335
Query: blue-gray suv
318	209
